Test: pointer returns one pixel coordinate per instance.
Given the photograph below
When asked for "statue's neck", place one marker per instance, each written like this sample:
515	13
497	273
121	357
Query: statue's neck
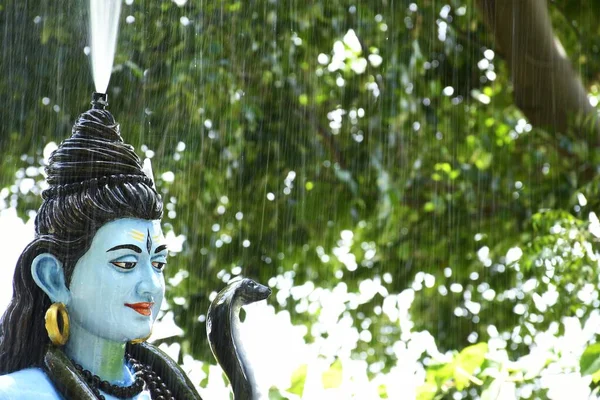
100	356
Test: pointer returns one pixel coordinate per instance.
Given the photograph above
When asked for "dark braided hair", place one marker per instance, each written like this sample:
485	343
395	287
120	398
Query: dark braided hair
94	178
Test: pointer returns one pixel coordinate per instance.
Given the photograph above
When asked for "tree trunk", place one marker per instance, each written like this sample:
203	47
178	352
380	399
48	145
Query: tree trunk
546	88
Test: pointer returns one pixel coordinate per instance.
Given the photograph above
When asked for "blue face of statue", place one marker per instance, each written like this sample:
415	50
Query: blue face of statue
117	286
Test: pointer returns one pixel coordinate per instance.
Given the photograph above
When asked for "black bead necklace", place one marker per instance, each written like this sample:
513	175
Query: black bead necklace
158	388
144	378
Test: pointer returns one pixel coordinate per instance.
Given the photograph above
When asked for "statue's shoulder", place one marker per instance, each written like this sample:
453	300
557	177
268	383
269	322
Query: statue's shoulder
27	384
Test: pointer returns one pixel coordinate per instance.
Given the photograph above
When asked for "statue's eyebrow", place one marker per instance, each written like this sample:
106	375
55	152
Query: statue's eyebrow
126	246
160	248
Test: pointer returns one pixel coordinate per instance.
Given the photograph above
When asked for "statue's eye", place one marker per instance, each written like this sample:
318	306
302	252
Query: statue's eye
159	265
124	264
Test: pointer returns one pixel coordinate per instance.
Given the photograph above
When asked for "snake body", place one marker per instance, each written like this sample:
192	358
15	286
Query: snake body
222	327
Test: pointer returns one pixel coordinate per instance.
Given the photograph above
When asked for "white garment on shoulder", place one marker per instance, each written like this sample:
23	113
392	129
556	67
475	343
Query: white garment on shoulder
27	384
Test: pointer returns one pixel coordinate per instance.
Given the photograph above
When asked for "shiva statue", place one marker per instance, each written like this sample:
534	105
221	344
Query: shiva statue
88	288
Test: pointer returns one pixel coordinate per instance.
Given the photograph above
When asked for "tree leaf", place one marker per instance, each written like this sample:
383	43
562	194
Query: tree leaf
427	391
298	379
589	364
467	362
332	378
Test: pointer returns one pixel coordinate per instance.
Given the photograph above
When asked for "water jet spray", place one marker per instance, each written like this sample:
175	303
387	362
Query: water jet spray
104	26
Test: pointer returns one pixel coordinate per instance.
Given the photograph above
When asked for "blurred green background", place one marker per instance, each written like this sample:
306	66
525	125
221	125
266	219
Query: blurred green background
337	141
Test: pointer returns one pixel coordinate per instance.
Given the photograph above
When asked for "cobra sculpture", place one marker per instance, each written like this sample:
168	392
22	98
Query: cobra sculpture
222	328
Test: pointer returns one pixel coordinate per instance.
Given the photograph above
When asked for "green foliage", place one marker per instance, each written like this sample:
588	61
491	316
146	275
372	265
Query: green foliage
459	373
332	378
298	378
590	362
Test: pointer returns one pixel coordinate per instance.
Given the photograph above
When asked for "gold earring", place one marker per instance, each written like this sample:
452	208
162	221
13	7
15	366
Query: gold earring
141	340
57	337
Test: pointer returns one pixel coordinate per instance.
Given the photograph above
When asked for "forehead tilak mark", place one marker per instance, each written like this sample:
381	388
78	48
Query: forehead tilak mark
148	242
136	235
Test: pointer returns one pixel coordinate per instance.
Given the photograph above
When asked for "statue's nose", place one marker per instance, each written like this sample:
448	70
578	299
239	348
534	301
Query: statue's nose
149	284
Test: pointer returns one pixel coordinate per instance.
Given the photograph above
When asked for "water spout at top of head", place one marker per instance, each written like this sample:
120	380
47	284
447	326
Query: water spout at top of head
99	101
104	26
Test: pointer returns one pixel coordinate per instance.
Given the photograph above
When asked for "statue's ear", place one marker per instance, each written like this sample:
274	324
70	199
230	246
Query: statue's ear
48	274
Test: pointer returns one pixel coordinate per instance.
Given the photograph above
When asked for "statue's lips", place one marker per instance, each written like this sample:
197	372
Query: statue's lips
142	308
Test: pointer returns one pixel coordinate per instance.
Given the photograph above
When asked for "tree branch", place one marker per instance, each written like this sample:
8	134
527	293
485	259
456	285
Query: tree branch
546	88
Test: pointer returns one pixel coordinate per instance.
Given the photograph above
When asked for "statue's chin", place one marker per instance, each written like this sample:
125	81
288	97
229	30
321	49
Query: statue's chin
139	335
133	334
